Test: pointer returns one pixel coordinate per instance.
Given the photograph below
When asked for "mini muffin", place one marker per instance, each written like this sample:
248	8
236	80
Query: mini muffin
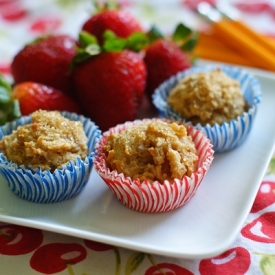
48	156
221	101
208	97
153	165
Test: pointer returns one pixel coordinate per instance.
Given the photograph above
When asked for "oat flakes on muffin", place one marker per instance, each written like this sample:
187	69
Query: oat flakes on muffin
152	151
49	142
208	97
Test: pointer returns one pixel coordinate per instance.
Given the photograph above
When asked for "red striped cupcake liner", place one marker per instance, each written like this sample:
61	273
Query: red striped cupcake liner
155	197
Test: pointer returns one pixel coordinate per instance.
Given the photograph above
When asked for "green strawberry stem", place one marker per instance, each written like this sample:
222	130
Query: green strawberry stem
9	108
106	5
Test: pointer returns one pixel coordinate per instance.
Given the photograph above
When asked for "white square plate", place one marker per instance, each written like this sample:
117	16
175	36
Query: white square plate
204	227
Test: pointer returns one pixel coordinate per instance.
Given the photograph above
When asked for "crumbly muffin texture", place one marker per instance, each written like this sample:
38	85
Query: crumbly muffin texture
152	151
50	141
208	97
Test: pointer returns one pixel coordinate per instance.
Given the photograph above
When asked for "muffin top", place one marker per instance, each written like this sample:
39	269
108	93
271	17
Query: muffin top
152	151
50	141
208	97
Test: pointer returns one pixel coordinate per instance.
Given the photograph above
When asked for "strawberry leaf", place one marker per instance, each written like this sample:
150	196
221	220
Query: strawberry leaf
190	44
9	109
4	95
5	90
181	32
134	42
109	35
137	41
113	43
154	34
4	83
88	47
3	117
85	39
79	58
15	110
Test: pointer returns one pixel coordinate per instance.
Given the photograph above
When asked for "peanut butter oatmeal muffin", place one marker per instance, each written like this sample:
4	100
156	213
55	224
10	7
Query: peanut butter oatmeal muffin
152	151
208	97
153	165
221	101
49	142
48	156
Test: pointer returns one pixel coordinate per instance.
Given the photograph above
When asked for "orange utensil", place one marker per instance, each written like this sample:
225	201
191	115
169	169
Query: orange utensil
212	48
240	37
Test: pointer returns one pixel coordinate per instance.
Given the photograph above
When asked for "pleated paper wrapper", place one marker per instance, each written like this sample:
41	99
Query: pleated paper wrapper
39	186
154	197
226	136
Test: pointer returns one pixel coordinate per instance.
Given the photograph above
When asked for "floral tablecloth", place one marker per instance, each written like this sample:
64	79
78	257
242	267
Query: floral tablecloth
32	251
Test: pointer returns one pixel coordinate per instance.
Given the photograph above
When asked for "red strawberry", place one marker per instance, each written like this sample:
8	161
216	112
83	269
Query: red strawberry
164	58
109	84
120	22
46	61
34	96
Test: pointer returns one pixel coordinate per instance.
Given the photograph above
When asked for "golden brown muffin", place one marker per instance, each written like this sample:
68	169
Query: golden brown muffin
208	97
152	151
50	141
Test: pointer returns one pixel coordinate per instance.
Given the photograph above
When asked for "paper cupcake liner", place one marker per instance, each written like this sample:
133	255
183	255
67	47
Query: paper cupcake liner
228	135
154	197
35	185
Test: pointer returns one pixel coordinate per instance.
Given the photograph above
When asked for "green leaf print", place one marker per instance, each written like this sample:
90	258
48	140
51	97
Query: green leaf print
133	262
271	166
267	264
66	3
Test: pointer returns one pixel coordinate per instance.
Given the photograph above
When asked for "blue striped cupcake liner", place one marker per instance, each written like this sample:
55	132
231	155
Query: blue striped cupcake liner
39	186
226	136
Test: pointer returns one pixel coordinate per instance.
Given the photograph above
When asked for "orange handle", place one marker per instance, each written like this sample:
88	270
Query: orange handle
242	41
209	47
267	43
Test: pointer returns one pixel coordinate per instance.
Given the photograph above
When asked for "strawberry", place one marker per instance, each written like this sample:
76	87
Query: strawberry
166	57
109	80
47	61
163	59
34	96
118	21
